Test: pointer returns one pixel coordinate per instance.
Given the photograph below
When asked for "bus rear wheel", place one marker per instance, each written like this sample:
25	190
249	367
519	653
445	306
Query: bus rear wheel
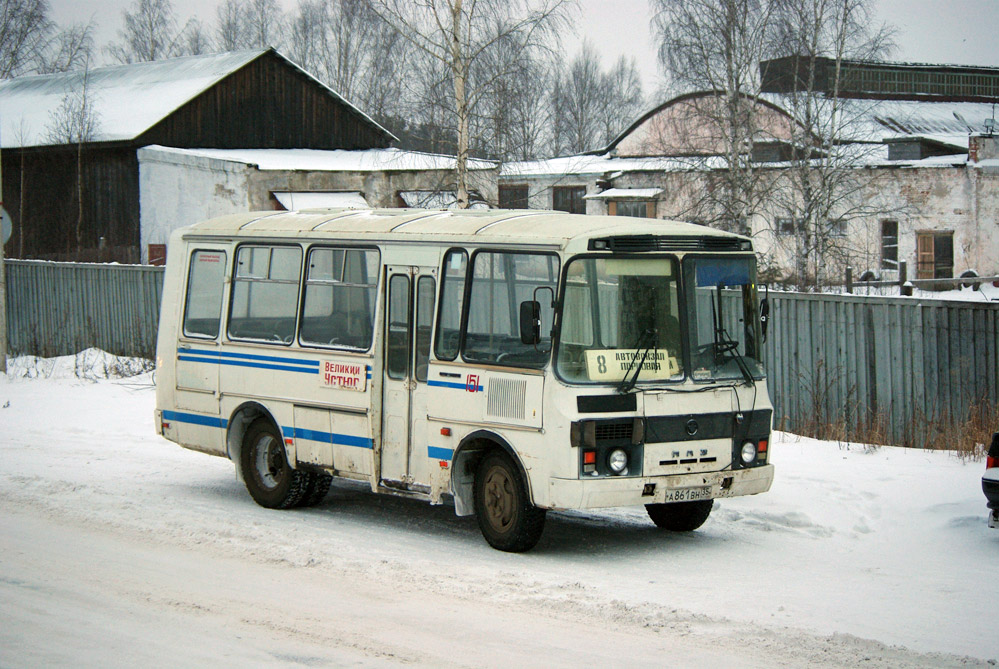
270	480
680	516
506	517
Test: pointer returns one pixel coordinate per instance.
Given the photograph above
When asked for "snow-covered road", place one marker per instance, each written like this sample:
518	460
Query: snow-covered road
120	548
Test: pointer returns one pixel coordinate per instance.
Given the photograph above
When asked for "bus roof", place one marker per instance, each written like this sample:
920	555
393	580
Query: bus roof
468	226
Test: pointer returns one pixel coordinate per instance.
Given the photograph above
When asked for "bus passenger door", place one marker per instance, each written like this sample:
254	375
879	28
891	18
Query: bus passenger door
408	321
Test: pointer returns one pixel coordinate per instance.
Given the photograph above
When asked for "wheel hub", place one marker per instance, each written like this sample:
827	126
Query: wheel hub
499	499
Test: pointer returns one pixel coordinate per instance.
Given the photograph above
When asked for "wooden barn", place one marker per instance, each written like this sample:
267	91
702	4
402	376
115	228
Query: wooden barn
70	141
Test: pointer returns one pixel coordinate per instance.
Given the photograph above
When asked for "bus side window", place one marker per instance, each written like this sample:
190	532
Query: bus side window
203	307
425	295
452	298
339	305
265	293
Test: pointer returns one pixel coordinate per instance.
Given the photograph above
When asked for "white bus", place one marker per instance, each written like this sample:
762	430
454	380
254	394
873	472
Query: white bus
516	361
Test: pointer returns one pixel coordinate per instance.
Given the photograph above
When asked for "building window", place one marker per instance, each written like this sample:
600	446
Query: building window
569	199
787	226
935	255
889	244
636	208
513	197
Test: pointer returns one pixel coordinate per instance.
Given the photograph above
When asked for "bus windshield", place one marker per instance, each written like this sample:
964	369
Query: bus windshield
723	328
621	321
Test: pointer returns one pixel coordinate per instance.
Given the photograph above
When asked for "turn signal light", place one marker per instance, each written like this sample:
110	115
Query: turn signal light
763	446
446	431
589	457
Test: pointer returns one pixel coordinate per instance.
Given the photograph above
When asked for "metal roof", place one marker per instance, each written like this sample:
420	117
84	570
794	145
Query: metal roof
127	100
526	226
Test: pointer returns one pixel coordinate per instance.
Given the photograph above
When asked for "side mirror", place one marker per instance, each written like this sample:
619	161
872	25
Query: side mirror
530	322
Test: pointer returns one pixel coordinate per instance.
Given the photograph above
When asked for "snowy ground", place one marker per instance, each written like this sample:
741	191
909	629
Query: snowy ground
120	548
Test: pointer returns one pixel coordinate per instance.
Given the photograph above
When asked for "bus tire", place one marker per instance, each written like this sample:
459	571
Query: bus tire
270	480
680	516
316	489
506	517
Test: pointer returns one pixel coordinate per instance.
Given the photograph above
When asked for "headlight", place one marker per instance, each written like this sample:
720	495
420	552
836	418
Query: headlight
748	452
617	460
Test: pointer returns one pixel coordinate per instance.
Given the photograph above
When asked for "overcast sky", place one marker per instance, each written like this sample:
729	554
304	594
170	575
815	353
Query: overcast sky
931	31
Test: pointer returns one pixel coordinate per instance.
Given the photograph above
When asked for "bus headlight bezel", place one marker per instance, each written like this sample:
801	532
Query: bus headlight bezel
617	461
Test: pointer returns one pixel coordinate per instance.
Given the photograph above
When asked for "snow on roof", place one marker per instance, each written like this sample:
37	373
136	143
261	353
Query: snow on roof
292	200
602	164
127	99
625	194
340	160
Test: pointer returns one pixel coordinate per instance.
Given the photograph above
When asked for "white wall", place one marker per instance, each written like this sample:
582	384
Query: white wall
176	190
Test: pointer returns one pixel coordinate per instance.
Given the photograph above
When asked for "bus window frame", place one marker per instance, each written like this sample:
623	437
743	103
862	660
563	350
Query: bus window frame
304	284
223	315
682	317
470	277
232	292
442	281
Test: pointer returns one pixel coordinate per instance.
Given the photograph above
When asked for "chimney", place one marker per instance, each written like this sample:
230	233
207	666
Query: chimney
982	147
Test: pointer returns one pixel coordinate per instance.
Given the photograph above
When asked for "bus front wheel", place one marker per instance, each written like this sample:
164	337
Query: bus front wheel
506	517
680	516
270	480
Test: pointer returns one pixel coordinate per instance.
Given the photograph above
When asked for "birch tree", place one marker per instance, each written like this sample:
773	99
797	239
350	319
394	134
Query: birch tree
149	32
76	121
25	31
826	188
716	46
457	33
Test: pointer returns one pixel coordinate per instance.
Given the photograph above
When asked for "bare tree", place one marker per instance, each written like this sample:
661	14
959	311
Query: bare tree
230	31
456	33
25	31
76	121
149	32
826	187
194	39
716	46
353	50
264	23
592	106
71	49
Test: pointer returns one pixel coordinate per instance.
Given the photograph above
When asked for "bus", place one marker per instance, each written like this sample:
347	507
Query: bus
510	361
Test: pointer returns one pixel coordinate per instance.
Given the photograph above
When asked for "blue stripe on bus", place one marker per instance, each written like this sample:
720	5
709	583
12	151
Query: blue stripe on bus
439	453
255	365
451	384
195	419
328	437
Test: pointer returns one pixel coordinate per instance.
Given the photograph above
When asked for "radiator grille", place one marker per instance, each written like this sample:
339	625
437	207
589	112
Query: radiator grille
608	431
507	398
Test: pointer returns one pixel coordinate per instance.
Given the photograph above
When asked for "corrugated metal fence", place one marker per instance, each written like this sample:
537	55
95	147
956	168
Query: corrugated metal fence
899	363
831	359
56	308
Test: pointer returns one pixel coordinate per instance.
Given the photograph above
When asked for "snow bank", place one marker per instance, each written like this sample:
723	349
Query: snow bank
92	364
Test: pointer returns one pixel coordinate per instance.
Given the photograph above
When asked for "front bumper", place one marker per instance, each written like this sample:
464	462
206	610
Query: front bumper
624	491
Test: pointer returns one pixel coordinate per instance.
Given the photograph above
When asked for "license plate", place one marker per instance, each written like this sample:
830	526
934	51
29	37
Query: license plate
687	494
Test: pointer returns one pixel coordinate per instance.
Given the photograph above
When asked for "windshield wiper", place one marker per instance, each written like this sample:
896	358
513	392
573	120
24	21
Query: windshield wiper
647	341
723	340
